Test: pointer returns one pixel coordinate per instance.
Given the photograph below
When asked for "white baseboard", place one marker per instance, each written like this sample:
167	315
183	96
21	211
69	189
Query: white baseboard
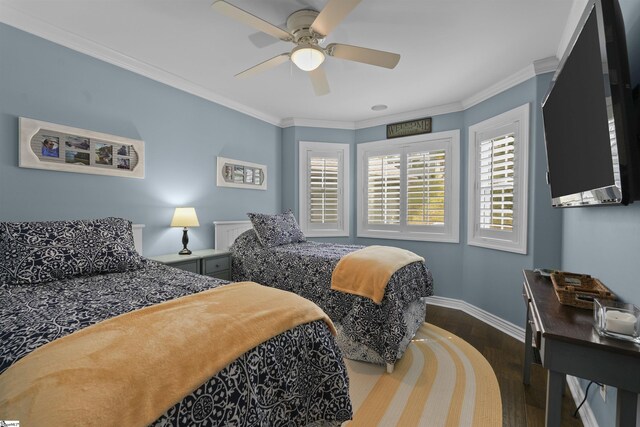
586	414
490	319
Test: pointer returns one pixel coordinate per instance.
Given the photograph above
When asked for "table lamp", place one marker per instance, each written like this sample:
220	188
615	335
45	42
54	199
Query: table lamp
185	217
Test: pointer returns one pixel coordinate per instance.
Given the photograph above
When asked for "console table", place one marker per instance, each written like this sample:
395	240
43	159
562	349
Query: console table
568	345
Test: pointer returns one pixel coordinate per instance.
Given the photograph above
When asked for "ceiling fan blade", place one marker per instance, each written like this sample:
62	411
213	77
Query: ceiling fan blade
261	39
332	15
319	81
251	20
379	58
269	63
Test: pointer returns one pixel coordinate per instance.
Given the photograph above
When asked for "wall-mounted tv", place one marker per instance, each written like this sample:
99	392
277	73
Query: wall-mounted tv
590	125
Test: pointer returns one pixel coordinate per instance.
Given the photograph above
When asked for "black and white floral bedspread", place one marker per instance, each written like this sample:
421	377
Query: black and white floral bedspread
305	269
296	378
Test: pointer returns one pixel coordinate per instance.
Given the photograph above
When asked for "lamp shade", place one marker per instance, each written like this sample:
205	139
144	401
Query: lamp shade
185	217
307	57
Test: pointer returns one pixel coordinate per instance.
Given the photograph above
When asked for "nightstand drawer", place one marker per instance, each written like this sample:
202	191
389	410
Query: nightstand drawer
191	266
214	265
224	275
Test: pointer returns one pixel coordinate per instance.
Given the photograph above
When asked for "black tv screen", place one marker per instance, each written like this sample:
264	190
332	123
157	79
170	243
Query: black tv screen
588	116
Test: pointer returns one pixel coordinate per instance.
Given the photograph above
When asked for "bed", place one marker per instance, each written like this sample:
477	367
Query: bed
376	333
296	377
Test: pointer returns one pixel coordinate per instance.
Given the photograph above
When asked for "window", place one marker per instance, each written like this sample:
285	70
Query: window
408	188
498	171
324	190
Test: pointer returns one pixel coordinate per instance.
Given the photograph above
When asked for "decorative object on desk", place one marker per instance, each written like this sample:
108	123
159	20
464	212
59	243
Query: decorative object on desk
185	217
410	127
239	174
545	272
617	320
579	290
63	148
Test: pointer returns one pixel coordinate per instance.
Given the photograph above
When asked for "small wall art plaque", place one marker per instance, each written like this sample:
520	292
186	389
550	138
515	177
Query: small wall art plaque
63	148
410	127
239	174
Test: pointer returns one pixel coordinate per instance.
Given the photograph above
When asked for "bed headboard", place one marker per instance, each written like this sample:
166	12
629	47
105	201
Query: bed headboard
137	236
226	232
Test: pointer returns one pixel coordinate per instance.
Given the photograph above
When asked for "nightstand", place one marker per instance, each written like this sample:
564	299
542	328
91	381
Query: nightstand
208	262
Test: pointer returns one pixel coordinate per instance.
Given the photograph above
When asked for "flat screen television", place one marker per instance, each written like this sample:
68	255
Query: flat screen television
590	121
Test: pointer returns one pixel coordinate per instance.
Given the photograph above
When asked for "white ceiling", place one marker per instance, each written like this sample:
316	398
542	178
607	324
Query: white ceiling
450	50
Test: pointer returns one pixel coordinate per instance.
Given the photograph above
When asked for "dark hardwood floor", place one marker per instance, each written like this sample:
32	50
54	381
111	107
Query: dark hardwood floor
521	405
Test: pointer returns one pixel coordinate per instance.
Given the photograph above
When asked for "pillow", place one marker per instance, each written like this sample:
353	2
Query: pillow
39	252
276	230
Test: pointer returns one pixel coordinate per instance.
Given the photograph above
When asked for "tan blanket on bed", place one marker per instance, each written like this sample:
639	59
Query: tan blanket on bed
367	271
128	370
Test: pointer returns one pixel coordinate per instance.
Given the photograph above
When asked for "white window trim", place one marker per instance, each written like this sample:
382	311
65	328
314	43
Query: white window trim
451	232
303	148
518	242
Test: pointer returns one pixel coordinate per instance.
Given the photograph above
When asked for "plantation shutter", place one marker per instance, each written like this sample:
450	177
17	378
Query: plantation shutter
496	185
383	189
324	189
426	188
498	181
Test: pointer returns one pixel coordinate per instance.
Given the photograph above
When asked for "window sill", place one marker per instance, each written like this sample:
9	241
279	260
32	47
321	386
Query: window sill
332	233
421	237
499	246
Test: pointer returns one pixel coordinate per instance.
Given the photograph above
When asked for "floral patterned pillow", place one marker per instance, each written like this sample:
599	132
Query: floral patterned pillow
39	252
276	230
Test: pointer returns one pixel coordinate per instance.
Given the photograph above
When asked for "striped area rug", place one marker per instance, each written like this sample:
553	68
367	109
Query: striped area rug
440	381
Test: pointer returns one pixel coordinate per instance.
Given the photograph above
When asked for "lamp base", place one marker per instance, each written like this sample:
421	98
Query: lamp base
185	242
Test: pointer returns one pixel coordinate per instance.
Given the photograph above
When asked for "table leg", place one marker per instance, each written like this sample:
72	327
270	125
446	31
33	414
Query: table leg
627	407
528	354
555	385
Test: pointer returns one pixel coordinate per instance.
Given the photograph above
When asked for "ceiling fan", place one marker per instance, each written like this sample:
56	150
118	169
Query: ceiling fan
307	29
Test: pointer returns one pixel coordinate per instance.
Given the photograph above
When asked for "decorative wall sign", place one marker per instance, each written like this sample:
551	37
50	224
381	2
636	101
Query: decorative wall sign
239	174
63	148
410	127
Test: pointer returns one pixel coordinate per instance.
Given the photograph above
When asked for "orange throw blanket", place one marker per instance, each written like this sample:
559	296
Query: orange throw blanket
367	271
128	370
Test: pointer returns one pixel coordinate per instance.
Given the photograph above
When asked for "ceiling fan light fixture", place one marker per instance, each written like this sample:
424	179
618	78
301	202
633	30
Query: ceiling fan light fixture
307	57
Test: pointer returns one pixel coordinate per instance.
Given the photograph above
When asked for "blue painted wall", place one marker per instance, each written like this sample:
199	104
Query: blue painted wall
486	278
444	259
501	271
605	241
183	134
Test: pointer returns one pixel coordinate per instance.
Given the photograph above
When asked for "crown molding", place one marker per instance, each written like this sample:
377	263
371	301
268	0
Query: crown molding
540	66
47	31
332	124
423	112
546	65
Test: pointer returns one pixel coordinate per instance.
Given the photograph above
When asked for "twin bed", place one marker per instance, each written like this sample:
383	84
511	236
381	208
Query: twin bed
65	280
272	251
57	278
